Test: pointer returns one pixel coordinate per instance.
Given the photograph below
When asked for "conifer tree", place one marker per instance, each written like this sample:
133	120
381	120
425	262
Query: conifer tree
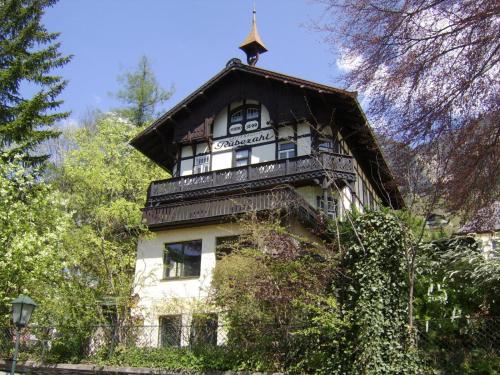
141	93
28	54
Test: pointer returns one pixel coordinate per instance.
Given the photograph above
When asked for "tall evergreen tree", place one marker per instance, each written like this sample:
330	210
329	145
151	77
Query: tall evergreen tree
141	93
28	54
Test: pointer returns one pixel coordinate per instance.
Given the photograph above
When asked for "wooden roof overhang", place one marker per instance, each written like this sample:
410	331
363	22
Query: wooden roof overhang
288	100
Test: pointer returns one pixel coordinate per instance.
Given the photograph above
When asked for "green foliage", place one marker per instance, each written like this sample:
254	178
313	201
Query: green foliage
105	182
373	293
185	359
316	345
261	287
141	94
456	279
457	297
27	55
32	230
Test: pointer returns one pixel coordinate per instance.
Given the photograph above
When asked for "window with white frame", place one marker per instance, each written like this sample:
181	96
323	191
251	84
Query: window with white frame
331	206
252	113
201	164
286	150
325	145
236	117
242	157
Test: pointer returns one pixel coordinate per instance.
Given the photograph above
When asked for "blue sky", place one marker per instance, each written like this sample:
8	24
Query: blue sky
187	42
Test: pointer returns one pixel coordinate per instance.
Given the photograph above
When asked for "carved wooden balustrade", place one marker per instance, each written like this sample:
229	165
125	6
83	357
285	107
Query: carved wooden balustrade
227	207
262	175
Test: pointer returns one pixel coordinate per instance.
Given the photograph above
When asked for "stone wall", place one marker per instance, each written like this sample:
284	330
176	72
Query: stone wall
32	368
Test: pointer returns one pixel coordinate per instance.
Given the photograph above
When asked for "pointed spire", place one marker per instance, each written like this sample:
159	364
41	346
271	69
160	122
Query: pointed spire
253	45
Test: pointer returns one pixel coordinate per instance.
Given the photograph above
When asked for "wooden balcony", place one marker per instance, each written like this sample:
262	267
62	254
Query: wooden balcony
255	176
230	207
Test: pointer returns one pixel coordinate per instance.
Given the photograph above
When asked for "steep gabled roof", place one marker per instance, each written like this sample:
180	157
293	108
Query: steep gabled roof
288	99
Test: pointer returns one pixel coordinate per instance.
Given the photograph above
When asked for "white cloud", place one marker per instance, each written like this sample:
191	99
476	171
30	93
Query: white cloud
347	62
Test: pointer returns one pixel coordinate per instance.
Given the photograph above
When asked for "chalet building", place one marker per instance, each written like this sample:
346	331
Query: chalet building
255	140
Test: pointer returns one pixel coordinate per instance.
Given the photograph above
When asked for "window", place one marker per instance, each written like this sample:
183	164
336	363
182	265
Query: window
286	150
245	118
331	209
203	330
224	245
170	330
325	145
372	201
366	202
201	164
252	113
242	157
182	259
237	117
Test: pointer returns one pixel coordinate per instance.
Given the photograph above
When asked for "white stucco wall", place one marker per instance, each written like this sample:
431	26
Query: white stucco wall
309	193
222	160
261	154
303	146
159	297
186	167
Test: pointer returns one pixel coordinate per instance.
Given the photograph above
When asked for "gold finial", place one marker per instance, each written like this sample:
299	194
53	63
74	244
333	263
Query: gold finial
253	45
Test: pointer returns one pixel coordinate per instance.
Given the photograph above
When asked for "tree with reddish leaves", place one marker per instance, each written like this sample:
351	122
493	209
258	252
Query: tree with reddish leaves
429	72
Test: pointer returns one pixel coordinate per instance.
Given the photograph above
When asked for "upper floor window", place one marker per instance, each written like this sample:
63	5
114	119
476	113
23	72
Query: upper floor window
325	145
245	118
237	116
286	150
242	157
252	113
201	164
182	259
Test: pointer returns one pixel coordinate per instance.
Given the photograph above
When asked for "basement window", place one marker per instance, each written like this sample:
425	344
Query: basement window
170	330
182	259
203	330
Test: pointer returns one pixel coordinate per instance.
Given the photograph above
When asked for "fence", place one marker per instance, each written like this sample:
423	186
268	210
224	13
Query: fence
442	342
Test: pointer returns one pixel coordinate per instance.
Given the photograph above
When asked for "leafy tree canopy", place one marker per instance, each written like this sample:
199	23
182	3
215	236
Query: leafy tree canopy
33	226
105	182
429	70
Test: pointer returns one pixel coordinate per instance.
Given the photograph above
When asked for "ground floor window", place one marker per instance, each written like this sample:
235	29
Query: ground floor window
203	330
330	207
182	259
170	330
224	245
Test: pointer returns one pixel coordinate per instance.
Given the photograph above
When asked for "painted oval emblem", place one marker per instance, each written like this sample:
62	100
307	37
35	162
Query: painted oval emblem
235	129
251	125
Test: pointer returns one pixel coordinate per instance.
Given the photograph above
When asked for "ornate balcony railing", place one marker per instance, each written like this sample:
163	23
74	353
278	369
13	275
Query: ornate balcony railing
260	175
226	207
